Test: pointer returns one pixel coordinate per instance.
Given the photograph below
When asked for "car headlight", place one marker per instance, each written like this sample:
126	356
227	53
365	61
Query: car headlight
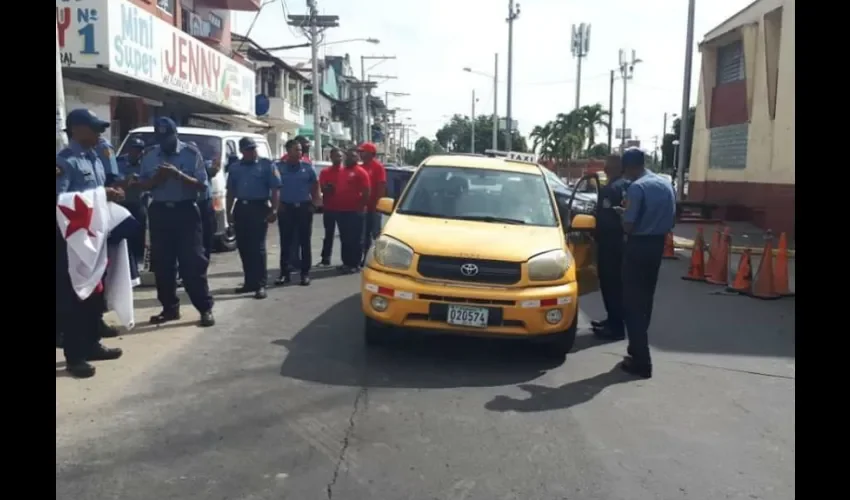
549	266
390	252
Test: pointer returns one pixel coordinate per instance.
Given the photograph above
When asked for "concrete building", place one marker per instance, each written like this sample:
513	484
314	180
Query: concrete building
744	143
133	60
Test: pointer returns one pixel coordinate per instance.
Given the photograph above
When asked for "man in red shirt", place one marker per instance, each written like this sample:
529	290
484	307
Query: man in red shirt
352	197
378	185
327	182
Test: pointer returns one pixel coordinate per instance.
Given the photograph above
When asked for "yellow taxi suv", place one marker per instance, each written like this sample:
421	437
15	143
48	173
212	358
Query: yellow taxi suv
476	245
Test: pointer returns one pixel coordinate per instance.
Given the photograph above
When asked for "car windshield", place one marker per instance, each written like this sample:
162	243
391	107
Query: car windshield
485	195
396	181
209	145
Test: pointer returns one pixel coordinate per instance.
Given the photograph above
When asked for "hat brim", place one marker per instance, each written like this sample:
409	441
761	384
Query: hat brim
247	148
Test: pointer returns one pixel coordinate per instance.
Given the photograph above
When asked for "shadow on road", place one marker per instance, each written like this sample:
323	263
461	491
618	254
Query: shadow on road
694	317
542	398
330	350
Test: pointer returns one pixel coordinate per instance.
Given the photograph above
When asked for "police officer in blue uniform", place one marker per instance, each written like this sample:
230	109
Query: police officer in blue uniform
175	174
609	239
205	205
299	191
649	215
106	154
135	200
78	169
251	183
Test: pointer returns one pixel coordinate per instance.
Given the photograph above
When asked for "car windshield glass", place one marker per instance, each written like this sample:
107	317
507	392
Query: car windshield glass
396	181
485	195
209	145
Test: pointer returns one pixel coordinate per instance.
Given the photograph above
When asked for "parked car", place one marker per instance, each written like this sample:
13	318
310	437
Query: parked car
585	202
217	146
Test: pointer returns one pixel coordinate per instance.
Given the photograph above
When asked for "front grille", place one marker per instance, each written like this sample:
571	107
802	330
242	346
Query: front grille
489	271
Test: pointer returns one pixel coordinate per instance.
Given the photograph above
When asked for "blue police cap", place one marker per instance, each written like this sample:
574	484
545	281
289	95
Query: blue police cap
135	142
247	143
164	127
82	117
633	157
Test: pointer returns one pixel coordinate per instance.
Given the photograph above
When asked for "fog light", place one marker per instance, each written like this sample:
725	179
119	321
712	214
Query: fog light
554	316
379	303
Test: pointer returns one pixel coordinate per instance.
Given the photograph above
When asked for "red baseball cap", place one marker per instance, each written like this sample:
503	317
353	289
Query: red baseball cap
367	147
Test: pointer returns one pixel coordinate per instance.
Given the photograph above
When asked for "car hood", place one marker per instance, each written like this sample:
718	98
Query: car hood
472	239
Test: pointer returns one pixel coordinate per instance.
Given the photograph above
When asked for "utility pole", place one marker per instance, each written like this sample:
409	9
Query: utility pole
684	118
627	71
317	25
472	121
611	112
580	47
61	138
366	136
393	144
513	14
496	103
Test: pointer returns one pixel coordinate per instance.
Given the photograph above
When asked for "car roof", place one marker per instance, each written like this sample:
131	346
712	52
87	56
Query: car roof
483	162
203	131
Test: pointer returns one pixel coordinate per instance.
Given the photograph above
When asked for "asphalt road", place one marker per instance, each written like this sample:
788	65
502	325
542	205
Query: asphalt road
282	401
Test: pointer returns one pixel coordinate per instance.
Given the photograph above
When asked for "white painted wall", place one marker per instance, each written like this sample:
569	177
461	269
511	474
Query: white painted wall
82	95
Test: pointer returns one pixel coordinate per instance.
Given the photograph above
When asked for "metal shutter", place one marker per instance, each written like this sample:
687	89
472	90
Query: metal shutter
730	63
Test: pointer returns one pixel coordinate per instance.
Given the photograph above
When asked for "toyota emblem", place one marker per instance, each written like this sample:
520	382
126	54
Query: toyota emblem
469	269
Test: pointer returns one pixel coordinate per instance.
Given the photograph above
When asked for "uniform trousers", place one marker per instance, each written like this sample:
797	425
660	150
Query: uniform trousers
251	231
78	319
610	262
641	263
350	232
295	221
329	219
207	225
176	240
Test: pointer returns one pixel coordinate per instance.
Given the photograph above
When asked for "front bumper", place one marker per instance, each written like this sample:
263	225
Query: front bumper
514	312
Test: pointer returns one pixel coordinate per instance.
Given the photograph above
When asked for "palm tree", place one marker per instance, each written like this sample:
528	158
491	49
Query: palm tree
593	116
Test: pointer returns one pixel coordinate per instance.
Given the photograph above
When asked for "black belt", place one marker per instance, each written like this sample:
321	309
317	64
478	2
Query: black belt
174	204
253	202
294	205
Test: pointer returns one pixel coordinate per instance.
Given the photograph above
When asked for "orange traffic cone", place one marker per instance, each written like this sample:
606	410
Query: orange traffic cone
669	247
712	252
719	275
696	269
764	285
743	281
780	272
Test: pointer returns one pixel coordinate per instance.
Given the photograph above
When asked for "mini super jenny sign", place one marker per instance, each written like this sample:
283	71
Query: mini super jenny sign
81	26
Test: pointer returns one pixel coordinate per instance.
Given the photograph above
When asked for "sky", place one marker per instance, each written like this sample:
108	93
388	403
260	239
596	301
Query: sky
434	40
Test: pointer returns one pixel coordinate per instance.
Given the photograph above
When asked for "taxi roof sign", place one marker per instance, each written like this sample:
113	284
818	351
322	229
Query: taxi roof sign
521	157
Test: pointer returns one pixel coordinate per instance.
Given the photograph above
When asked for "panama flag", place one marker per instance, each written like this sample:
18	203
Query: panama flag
95	231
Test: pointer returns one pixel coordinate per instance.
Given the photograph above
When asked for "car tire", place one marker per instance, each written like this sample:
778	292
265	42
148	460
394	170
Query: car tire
560	344
375	333
226	242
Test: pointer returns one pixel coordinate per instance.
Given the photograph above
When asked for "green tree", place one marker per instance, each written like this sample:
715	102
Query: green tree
572	135
423	148
668	149
455	135
598	151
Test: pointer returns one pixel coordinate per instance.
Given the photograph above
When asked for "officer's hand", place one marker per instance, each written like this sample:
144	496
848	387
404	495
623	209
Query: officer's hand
619	210
169	170
271	218
114	194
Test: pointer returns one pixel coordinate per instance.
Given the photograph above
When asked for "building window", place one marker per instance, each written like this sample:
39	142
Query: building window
166	5
730	63
269	82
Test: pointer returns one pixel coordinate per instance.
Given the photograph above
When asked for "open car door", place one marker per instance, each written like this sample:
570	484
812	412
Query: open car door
582	240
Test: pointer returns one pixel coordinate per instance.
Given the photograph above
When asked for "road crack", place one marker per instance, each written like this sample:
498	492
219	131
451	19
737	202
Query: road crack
346	439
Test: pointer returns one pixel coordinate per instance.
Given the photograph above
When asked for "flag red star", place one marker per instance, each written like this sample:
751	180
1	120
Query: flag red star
79	217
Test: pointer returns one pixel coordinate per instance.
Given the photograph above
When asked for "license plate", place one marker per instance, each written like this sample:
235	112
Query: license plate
468	316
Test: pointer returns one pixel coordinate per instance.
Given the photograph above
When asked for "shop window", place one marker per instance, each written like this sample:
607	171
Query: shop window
166	5
730	63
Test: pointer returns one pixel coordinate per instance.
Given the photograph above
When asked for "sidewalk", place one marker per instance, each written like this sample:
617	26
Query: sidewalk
744	235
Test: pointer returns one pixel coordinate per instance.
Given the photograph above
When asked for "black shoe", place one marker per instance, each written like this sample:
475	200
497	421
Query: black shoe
324	263
260	293
606	333
207	319
632	367
103	353
165	316
107	331
179	283
305	280
245	289
599	324
80	369
283	279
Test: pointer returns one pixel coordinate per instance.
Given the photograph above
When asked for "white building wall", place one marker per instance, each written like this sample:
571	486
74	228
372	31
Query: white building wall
82	95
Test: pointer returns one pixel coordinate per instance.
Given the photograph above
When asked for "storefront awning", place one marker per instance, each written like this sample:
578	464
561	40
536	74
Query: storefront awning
238	120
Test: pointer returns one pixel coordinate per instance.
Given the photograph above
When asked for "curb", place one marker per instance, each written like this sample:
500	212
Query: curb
687	244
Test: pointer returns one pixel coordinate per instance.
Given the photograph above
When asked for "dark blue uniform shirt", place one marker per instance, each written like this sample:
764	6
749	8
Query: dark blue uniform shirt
126	168
609	225
106	154
296	181
187	159
651	205
81	169
252	180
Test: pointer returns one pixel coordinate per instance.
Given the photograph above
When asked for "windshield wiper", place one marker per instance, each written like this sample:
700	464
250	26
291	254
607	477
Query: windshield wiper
489	218
420	213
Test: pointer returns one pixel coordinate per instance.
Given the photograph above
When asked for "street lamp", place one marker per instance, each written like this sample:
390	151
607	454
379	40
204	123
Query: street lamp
495	77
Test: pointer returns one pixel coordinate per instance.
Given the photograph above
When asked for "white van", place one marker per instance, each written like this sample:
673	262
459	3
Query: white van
217	146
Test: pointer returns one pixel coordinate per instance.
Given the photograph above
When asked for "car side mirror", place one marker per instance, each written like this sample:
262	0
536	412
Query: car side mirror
583	222
385	206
